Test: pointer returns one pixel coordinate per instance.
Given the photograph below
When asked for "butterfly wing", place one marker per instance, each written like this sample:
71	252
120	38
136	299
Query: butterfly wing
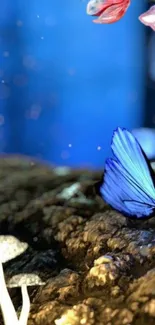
128	186
142	208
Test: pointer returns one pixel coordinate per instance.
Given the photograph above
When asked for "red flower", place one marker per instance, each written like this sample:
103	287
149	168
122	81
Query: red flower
108	11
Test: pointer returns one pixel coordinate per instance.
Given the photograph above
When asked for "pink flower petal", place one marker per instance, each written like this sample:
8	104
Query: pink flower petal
112	14
148	18
95	7
108	11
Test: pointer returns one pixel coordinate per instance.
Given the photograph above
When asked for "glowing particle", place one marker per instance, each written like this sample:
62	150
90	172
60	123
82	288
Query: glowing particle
29	62
6	54
71	72
35	239
34	112
70	145
99	148
19	23
64	154
1	120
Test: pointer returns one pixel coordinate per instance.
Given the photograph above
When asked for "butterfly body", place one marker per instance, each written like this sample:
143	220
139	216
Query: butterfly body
129	181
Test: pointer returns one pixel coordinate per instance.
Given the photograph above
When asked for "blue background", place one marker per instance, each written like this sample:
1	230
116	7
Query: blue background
65	82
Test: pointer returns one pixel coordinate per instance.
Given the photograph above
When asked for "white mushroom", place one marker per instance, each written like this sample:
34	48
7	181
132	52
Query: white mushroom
11	247
7	307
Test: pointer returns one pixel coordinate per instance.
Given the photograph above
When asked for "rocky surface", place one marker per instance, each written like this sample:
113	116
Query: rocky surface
83	263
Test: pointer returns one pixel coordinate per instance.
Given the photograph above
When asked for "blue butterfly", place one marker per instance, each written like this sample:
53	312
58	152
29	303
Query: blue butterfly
128	184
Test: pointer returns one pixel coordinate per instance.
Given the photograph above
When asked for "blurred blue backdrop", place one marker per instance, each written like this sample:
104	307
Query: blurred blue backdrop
65	82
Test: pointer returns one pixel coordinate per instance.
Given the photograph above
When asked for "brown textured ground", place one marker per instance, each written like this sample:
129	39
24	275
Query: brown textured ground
97	270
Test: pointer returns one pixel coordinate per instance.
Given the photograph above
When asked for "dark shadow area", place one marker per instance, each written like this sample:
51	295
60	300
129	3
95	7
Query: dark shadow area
150	77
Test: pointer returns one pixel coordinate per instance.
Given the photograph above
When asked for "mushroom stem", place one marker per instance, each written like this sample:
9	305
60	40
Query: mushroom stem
8	310
7	307
25	307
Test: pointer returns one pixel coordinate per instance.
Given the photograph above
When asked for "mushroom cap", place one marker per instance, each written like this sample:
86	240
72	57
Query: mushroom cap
11	247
